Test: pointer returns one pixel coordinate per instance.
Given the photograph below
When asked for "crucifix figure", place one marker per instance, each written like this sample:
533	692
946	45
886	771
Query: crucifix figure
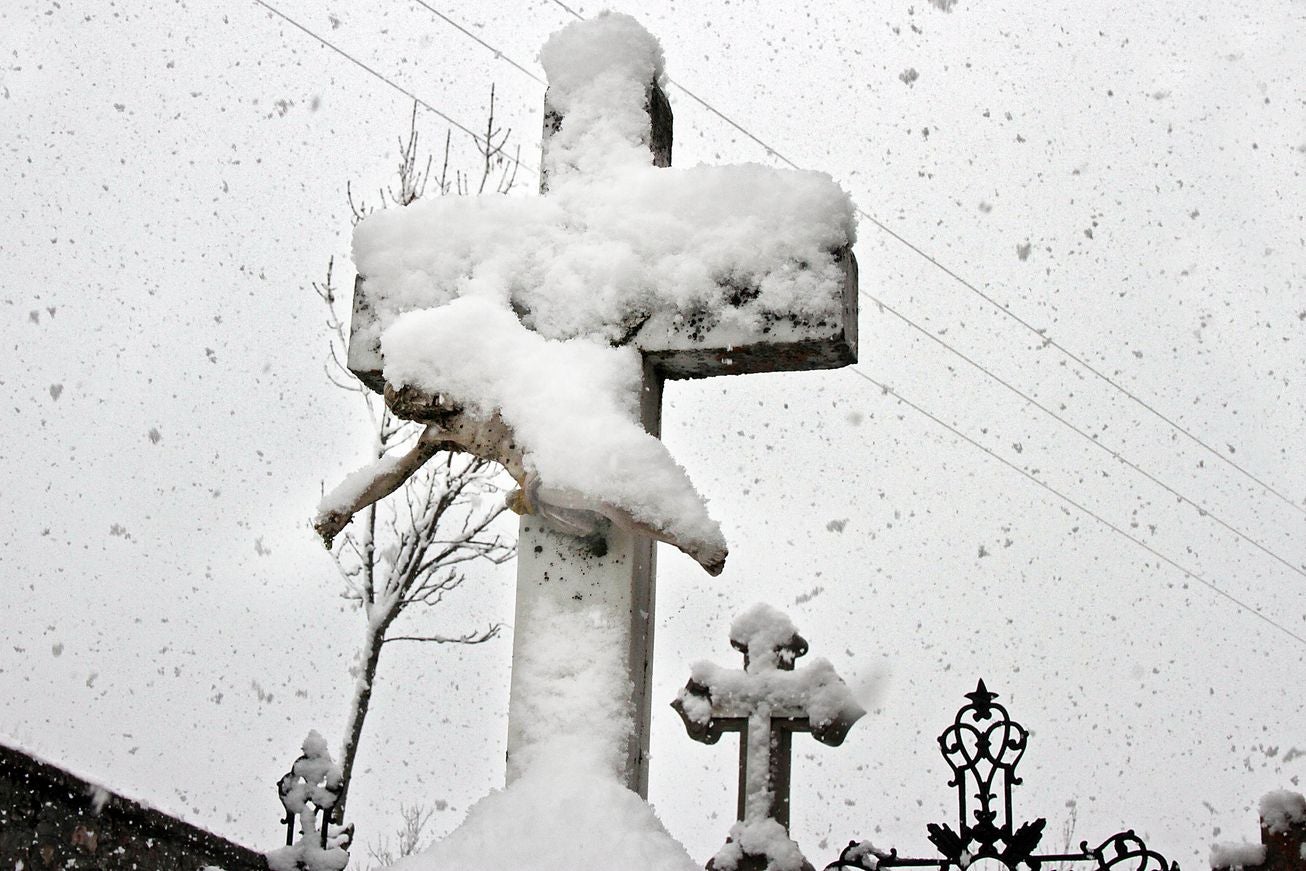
539	332
767	702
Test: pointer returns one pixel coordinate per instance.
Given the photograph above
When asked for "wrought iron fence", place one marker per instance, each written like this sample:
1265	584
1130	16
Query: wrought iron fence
983	746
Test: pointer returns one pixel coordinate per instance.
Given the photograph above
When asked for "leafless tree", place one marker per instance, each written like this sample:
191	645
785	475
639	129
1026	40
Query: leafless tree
415	547
409	837
495	164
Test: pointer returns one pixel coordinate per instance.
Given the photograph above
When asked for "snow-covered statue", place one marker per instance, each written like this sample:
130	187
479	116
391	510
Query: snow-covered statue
536	332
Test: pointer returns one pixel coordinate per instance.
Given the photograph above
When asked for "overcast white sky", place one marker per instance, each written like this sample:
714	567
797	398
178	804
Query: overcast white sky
176	178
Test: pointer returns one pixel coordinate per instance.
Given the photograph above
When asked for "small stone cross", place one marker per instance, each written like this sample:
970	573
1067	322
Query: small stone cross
767	702
563	585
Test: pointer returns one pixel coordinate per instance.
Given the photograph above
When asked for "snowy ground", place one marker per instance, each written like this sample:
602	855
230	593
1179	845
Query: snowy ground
177	178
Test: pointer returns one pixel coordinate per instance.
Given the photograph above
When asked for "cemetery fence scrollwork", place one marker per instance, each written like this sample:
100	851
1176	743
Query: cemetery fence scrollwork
983	746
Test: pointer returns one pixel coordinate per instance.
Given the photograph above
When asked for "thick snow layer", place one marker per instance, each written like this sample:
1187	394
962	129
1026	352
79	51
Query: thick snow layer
711	256
571	693
608	44
867	855
1237	854
763	631
344	494
599	71
513	305
1281	810
572	405
813	690
708	256
307	855
558	817
312	785
760	838
315	777
564	807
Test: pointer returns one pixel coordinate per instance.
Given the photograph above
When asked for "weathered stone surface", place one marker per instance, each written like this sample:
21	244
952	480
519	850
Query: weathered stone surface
801	347
52	819
795	347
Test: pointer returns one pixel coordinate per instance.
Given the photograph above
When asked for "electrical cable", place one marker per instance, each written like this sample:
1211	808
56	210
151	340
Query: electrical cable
463	30
1201	509
400	88
887	390
1042	334
1043	338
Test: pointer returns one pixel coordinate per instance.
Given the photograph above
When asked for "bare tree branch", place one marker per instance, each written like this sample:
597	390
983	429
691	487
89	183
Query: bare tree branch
470	638
418	550
415	818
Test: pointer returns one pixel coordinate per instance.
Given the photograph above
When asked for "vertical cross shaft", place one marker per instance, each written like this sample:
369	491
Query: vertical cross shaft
561	580
562	583
765	750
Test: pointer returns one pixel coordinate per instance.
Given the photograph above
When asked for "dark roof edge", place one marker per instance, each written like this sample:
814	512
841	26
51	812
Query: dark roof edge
150	822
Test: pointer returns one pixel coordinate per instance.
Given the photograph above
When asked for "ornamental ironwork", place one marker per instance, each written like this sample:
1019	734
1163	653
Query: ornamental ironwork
983	746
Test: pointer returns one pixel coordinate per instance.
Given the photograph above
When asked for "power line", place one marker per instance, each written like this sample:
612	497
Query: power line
1043	337
463	30
1201	509
569	9
884	388
704	103
371	71
1049	341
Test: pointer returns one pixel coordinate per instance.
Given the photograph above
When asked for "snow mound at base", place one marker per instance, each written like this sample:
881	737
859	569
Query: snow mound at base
558	817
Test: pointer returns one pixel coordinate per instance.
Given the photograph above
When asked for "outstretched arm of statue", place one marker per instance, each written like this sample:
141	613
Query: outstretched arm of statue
568	512
487	438
491	438
372	484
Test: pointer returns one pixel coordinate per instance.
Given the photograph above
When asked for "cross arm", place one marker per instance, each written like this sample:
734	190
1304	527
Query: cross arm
678	346
813	697
450	427
781	343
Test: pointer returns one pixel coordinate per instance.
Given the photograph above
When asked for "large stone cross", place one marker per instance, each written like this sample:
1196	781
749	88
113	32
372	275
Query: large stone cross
563	585
766	703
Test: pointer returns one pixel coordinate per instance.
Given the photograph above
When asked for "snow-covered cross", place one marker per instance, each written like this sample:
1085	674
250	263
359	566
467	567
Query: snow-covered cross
766	703
538	332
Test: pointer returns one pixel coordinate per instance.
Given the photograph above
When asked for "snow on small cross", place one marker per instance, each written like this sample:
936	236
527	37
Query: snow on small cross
766	703
524	330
